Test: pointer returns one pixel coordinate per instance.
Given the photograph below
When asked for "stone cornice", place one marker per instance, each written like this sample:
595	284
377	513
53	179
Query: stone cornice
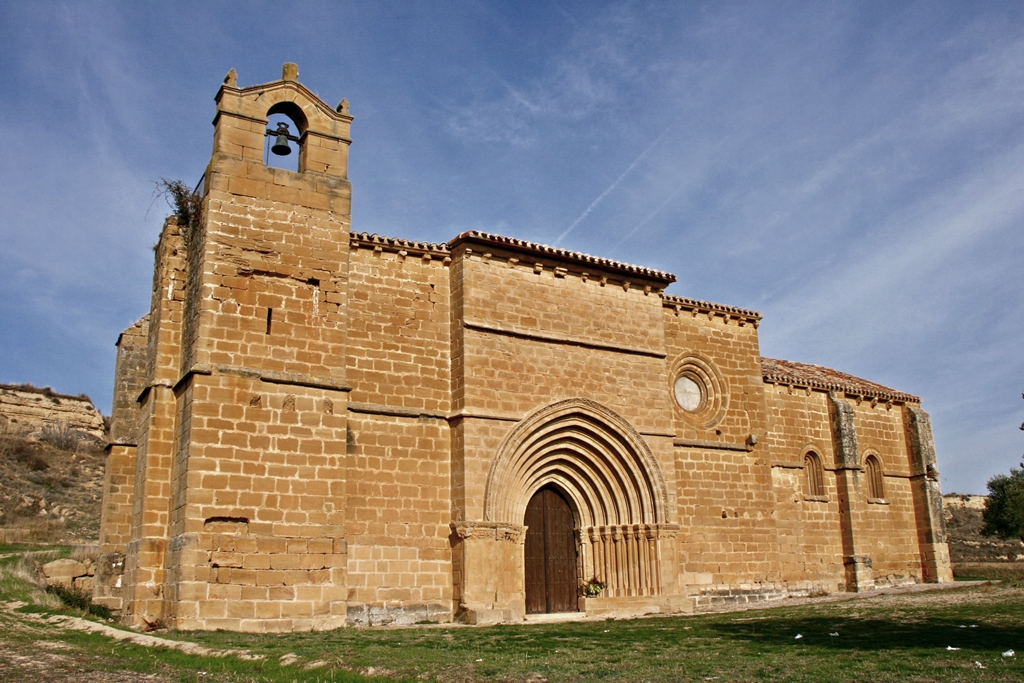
695	306
271	377
563	339
393	411
712	445
398	246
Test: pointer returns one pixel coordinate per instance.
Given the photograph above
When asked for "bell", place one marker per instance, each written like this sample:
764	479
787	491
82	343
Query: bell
281	147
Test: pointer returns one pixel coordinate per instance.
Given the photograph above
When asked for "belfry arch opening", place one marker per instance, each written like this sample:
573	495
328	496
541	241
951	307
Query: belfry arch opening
288	119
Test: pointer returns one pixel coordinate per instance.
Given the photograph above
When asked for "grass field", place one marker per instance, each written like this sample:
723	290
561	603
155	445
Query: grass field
881	638
1000	571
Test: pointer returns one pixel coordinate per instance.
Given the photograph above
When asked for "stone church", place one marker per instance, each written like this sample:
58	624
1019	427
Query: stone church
315	427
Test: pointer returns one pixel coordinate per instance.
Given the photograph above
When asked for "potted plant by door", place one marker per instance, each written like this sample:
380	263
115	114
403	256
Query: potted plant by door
593	588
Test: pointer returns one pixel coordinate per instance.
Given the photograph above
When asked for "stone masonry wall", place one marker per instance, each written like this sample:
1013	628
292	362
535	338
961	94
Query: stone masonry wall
258	540
889	528
145	553
129	381
726	505
531	336
398	489
397	507
881	534
398	328
119	473
810	546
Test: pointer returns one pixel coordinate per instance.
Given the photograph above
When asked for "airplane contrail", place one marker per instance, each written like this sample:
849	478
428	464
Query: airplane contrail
609	188
649	217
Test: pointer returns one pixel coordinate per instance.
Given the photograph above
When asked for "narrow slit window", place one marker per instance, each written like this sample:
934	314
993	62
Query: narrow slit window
876	490
315	284
815	475
270	318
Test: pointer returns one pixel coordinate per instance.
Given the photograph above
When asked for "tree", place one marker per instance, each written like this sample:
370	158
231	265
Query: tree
1004	509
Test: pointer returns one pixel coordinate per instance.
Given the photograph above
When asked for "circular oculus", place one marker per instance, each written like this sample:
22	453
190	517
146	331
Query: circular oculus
688	393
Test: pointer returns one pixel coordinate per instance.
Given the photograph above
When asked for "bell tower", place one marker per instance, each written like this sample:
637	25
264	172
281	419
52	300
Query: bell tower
273	249
254	538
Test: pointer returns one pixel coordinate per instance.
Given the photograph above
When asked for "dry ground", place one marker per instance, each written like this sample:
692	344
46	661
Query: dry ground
50	494
37	648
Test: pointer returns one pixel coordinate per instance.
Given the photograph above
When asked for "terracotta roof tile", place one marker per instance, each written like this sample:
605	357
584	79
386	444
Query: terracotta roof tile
563	254
397	243
820	377
697	304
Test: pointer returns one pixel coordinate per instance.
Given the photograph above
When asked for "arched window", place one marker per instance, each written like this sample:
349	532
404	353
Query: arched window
285	125
873	471
815	475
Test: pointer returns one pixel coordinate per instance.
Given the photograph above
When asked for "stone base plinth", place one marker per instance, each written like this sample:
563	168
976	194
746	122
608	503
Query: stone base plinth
634	606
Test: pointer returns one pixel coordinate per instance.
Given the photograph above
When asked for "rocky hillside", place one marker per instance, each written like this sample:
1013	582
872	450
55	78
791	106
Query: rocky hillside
50	489
974	555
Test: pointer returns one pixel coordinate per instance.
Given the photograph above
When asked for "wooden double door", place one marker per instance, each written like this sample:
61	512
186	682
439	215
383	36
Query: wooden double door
551	583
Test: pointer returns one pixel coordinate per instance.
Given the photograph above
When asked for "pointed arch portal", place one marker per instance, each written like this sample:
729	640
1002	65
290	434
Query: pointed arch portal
593	459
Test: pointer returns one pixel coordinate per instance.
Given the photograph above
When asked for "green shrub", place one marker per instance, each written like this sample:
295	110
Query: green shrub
79	599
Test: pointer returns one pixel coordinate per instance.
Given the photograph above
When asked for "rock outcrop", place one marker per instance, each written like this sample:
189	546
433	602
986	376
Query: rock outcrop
70	573
969	549
29	410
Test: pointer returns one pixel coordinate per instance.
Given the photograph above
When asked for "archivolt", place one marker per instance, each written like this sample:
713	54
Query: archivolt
589	452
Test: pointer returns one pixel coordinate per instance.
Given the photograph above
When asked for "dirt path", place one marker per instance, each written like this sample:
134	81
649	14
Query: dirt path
27	656
79	624
57	662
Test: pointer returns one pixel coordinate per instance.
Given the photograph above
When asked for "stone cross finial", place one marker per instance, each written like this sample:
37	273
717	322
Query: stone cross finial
342	107
290	72
231	80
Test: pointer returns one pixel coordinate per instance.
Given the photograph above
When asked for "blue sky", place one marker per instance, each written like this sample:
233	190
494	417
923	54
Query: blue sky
854	171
